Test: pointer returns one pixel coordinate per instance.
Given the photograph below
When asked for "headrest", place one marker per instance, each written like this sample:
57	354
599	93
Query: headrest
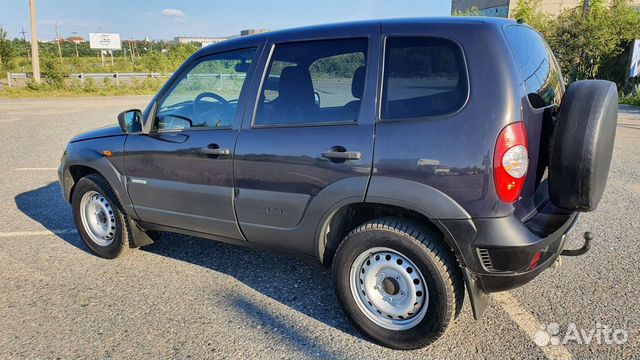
357	83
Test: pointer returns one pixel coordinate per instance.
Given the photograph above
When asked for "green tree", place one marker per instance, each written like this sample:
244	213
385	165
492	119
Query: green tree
588	40
590	35
7	51
529	12
473	11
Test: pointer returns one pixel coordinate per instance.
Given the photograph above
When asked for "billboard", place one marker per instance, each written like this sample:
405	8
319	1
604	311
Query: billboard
103	41
634	68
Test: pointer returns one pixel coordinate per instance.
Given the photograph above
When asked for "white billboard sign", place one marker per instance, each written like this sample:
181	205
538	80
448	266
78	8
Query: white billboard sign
634	68
103	41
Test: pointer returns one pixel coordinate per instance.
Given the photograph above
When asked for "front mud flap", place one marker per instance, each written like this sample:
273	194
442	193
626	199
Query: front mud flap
479	298
139	237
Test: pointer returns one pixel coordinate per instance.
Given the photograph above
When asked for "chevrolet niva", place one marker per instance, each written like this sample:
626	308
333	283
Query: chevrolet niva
416	158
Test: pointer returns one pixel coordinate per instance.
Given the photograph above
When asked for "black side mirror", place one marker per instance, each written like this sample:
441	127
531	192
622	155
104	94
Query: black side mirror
130	121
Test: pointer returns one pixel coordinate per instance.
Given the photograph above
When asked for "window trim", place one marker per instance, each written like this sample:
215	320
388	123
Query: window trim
265	75
383	59
180	76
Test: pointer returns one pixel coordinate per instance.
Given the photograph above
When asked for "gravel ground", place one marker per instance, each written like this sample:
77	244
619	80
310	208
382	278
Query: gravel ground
187	297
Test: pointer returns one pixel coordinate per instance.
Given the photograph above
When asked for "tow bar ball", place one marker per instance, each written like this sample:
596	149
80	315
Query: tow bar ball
588	236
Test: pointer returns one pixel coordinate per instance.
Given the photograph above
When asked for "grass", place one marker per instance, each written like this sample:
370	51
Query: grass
88	88
632	99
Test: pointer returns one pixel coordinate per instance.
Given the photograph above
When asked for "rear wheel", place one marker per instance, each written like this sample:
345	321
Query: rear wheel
99	217
397	282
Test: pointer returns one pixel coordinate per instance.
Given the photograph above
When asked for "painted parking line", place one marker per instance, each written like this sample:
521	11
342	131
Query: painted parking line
529	324
5	234
36	169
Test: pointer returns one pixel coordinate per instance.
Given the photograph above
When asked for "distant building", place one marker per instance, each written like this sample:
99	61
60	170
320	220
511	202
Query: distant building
253	31
198	39
75	39
504	8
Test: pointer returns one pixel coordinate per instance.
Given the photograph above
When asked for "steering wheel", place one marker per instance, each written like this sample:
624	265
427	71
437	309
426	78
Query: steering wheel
199	111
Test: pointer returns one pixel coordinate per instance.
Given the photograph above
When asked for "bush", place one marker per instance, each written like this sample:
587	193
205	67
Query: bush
53	71
632	97
89	86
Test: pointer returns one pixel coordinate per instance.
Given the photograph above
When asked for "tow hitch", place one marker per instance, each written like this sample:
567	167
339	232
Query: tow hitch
588	236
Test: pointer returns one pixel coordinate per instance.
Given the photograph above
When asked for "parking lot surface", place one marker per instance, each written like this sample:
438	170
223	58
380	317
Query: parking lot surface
187	297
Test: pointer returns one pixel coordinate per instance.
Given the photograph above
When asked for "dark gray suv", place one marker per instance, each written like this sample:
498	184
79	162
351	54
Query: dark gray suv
416	158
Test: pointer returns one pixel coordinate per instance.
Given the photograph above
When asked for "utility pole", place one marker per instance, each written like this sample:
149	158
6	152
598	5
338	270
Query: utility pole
58	42
35	57
75	41
24	38
586	5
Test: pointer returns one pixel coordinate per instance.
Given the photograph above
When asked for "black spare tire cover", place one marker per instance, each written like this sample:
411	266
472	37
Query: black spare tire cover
582	144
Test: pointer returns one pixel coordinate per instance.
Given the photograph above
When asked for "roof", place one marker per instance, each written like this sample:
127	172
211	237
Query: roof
355	25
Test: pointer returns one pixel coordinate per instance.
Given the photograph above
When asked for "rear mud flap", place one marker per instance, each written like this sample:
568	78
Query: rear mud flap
479	298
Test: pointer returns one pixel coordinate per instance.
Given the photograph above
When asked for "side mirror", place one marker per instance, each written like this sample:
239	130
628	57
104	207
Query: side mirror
130	121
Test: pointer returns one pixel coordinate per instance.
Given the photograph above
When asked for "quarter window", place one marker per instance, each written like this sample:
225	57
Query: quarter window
207	95
538	68
422	77
313	82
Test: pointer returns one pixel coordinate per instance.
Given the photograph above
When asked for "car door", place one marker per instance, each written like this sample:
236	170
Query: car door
180	174
308	142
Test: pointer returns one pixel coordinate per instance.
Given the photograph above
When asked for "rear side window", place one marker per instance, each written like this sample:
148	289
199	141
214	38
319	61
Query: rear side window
539	70
422	77
313	82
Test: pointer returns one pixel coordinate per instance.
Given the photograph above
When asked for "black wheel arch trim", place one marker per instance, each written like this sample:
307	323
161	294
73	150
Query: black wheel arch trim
92	159
433	204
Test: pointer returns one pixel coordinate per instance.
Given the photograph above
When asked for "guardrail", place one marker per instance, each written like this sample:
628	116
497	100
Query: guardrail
117	76
130	75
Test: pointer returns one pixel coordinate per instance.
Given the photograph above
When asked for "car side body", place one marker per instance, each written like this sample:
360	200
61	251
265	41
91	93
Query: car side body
302	187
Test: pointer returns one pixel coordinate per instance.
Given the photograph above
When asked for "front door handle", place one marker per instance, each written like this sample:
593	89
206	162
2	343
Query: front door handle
217	151
342	155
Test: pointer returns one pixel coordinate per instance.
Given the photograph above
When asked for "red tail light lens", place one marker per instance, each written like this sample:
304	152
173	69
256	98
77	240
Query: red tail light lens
510	162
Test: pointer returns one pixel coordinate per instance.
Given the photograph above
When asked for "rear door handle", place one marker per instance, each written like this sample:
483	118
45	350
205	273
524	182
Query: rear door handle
218	151
344	155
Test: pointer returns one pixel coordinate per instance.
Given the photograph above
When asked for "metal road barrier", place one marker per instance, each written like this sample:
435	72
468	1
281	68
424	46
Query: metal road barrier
117	76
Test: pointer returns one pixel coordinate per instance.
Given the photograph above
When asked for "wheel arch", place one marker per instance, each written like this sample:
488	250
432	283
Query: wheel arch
82	161
346	217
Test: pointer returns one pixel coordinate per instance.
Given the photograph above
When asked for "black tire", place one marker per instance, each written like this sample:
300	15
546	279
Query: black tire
582	145
425	249
121	243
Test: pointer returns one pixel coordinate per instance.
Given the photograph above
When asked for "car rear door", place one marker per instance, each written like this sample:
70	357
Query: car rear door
307	144
180	174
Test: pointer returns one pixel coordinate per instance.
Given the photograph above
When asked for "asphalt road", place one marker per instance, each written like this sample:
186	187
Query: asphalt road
192	298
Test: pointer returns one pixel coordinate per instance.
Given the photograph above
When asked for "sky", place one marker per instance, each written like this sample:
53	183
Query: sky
164	19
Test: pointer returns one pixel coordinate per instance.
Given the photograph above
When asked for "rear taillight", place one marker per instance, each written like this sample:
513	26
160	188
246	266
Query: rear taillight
510	162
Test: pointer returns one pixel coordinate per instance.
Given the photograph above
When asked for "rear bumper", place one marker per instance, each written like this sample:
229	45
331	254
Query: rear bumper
499	254
509	254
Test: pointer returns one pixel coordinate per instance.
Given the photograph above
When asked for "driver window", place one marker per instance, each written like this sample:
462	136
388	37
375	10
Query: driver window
207	95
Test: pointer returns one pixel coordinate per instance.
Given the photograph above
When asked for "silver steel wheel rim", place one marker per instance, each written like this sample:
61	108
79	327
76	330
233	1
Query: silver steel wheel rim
98	218
389	289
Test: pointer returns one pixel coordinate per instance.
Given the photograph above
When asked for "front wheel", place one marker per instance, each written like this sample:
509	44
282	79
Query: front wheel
397	282
99	217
